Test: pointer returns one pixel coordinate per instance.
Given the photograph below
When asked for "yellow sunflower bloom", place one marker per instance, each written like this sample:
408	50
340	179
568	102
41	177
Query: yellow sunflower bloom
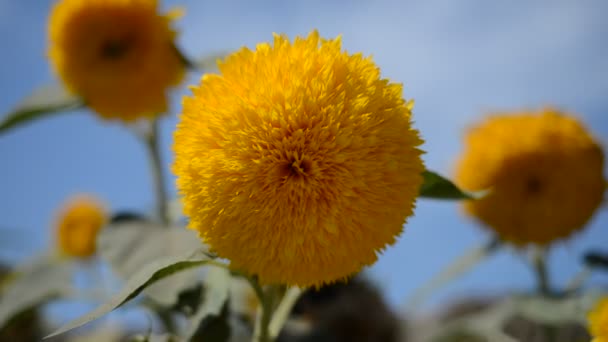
77	226
544	172
298	162
118	55
598	321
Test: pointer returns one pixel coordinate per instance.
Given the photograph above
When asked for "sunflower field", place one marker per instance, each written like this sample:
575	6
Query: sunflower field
303	171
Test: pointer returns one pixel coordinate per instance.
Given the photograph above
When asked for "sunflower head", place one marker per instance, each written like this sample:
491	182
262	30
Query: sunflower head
77	226
544	173
117	55
298	162
598	321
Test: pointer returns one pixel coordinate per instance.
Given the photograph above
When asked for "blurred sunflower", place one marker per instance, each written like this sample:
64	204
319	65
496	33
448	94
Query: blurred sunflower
298	162
77	226
117	55
544	172
598	321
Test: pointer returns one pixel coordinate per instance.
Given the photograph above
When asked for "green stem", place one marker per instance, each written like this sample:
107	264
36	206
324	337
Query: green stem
542	276
261	332
283	310
153	147
459	267
544	289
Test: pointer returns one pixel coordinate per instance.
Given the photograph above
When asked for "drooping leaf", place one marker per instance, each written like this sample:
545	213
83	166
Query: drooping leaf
51	99
490	322
555	311
43	279
217	286
127	245
215	328
438	187
455	269
146	276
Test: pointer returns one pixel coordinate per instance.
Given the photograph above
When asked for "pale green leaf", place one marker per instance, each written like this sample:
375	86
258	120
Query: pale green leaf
217	286
51	99
146	276
127	246
45	278
555	311
490	322
438	187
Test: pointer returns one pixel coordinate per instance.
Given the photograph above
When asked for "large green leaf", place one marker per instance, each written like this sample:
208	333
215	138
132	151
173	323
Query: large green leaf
555	311
438	187
127	246
47	100
43	279
146	276
217	286
490	321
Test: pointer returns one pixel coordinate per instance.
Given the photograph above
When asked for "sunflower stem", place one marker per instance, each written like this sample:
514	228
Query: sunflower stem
283	310
543	287
264	313
454	270
153	147
540	269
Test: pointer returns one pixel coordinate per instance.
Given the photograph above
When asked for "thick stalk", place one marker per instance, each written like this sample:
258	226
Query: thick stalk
540	270
543	287
262	322
156	166
283	310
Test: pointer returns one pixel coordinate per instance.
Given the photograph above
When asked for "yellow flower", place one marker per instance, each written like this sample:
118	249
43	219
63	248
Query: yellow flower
298	163
118	55
544	172
77	226
598	321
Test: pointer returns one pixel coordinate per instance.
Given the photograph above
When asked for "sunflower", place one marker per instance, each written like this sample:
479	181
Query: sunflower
298	162
77	226
117	55
544	173
598	321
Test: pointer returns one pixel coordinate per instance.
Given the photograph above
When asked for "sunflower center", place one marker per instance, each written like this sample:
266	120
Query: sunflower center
533	185
115	48
299	167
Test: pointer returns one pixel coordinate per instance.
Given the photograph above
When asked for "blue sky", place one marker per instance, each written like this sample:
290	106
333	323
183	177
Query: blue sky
456	59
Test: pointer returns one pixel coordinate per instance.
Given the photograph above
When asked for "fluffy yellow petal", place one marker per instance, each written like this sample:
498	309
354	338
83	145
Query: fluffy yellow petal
298	163
544	172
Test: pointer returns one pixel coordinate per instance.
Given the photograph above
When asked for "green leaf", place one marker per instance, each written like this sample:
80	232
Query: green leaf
438	187
217	328
47	100
490	321
217	286
127	246
146	276
555	311
43	279
154	338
